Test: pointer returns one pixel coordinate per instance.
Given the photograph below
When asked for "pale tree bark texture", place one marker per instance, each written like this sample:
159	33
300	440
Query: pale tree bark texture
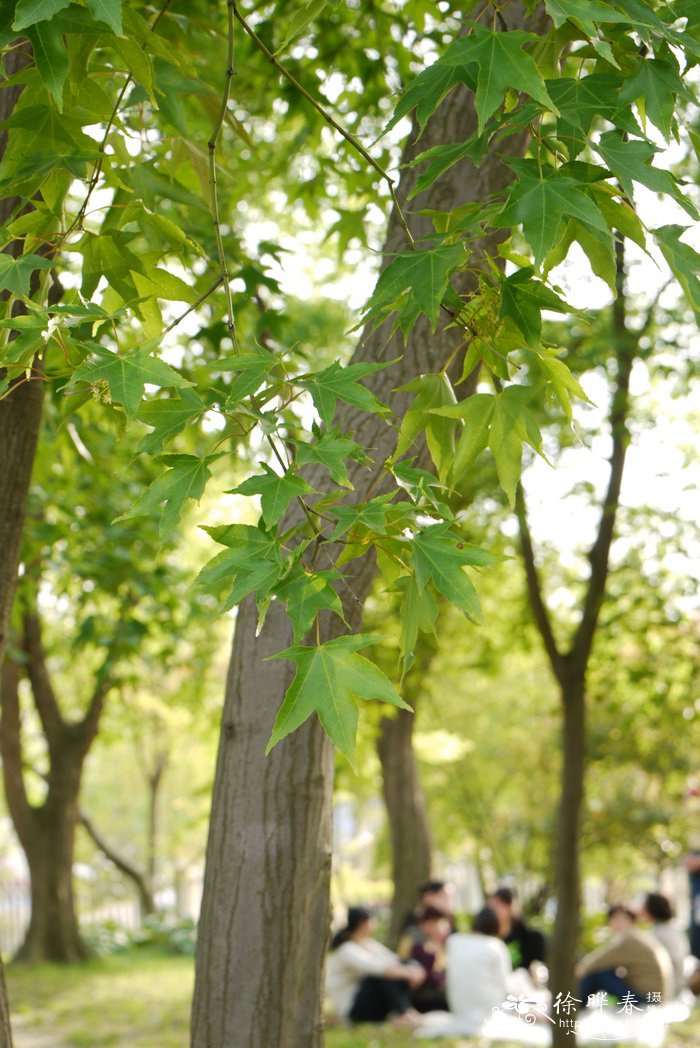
264	924
570	666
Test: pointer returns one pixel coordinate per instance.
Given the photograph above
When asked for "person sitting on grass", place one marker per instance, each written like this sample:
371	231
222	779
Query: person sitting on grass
632	966
366	982
657	910
430	954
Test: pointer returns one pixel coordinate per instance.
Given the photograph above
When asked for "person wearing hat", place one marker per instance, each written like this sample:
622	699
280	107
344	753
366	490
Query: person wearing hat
366	982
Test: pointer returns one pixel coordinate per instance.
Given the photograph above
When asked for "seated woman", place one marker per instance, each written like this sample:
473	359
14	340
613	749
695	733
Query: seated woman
366	982
430	954
657	910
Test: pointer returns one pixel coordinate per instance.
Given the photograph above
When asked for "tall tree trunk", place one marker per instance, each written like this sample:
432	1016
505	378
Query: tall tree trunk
20	423
567	862
411	845
265	911
53	933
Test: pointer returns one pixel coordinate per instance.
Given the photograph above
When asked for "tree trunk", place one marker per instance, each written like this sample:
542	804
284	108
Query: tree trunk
53	933
567	860
411	846
265	911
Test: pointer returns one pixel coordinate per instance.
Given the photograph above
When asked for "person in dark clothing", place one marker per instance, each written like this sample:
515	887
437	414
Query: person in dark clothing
433	895
432	957
525	945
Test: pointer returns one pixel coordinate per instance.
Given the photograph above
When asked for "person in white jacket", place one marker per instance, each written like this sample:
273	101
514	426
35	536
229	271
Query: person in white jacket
366	982
657	910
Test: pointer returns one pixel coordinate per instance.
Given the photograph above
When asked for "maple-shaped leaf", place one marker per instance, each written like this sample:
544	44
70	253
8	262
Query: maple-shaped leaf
476	413
185	478
523	298
655	87
331	450
502	64
432	391
329	680
581	101
50	57
276	492
684	262
127	374
16	273
29	12
426	92
540	204
512	425
584	15
424	275
369	516
253	368
251	563
305	595
109	12
336	383
562	381
419	612
439	556
168	418
630	161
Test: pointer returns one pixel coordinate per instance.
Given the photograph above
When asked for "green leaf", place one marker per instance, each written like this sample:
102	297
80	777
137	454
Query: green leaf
109	12
523	298
126	375
684	262
657	85
299	21
185	478
432	391
342	383
540	205
168	418
252	368
439	557
305	595
328	681
29	12
424	274
425	93
250	564
275	492
419	612
563	382
331	450
50	58
630	161
581	102
476	413
584	15
512	423
503	65
16	273
370	516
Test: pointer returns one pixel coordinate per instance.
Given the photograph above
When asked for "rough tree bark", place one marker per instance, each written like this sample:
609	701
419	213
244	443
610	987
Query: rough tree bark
265	911
570	667
20	423
47	831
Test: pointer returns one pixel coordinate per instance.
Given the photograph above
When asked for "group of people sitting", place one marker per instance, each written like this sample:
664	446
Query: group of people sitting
466	976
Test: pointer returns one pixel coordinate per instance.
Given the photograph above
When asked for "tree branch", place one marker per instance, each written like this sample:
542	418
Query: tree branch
626	345
45	700
122	864
534	586
11	753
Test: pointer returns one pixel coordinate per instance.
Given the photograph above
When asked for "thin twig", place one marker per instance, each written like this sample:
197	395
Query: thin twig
328	117
211	145
195	305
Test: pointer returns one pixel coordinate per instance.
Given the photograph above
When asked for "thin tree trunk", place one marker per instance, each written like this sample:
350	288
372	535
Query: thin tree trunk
411	845
265	911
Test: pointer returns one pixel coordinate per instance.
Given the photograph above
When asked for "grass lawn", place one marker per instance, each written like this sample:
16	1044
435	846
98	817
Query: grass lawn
141	999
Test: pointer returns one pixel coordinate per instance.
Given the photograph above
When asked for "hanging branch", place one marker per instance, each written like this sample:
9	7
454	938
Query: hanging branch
211	145
534	586
328	117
